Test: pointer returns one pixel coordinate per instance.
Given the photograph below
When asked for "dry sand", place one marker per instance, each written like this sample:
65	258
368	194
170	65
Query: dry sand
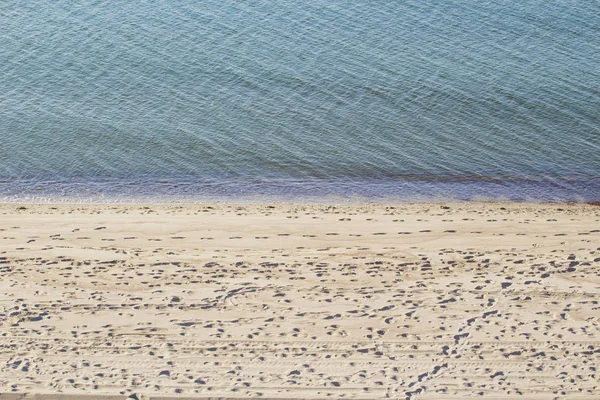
300	301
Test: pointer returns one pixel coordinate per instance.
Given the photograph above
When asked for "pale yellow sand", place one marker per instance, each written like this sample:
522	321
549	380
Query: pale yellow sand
290	301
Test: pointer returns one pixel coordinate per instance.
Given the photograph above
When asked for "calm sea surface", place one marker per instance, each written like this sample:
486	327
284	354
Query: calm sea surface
300	99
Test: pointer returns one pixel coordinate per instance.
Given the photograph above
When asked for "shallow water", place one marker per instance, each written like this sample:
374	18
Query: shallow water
464	100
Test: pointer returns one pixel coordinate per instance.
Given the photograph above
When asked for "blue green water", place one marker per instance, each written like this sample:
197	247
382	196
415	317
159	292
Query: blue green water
295	99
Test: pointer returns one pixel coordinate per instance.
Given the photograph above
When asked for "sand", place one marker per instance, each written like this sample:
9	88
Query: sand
299	301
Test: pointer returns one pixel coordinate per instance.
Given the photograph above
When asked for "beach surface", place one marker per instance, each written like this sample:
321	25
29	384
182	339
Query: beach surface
299	301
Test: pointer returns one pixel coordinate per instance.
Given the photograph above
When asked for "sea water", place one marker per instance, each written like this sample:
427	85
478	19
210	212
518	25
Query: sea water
290	100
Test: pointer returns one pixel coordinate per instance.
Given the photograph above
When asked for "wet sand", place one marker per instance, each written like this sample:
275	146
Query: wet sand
299	301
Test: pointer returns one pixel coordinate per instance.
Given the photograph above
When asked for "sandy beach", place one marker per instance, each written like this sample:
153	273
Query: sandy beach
300	301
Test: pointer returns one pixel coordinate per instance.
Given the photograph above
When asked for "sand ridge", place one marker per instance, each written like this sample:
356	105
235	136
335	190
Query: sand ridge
300	301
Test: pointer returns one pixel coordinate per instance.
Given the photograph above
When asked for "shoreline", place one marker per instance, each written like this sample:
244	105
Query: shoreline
248	201
262	190
285	301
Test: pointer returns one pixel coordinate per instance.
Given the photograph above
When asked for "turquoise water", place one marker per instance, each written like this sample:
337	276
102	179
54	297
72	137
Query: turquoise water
409	99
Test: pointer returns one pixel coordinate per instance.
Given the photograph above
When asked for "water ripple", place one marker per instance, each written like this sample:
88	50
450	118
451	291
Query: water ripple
466	98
